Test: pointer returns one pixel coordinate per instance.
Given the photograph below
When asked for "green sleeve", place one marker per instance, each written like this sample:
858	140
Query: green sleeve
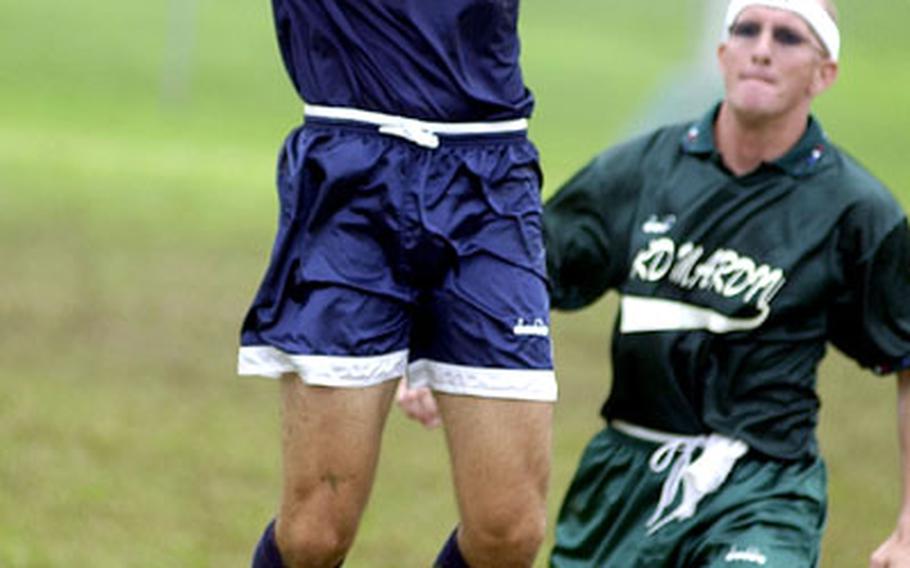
586	228
872	323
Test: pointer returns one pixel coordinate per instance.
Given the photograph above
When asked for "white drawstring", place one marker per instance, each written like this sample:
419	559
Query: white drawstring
421	132
661	459
697	478
413	133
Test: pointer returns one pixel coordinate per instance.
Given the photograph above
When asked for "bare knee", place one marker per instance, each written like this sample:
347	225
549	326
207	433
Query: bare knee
503	539
307	542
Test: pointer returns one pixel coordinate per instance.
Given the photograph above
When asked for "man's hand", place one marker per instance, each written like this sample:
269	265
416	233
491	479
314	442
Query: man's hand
893	553
418	404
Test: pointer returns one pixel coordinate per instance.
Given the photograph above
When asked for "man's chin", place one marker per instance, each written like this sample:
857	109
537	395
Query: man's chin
754	111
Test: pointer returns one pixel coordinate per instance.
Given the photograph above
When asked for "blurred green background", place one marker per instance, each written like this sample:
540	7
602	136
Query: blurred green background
137	145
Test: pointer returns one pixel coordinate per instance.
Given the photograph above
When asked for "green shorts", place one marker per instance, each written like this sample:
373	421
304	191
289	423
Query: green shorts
767	513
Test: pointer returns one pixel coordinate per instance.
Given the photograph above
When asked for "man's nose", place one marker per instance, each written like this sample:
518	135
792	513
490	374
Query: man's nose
762	47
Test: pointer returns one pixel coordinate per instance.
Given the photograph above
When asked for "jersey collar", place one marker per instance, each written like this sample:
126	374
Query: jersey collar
802	160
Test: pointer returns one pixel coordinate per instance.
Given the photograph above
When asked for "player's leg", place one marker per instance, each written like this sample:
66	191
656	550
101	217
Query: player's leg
500	452
332	313
489	357
497	420
330	448
492	374
334	410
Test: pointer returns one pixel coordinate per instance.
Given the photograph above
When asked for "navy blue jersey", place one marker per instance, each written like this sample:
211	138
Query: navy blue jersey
445	61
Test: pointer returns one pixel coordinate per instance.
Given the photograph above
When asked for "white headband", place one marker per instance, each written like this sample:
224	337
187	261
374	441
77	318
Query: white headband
815	15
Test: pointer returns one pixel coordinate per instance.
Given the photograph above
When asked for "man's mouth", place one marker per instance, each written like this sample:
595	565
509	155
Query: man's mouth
757	77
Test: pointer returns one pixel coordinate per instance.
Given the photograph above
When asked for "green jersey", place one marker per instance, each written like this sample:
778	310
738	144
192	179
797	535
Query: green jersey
732	286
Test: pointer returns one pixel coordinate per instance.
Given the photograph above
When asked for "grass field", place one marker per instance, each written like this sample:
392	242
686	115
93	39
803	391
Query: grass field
136	214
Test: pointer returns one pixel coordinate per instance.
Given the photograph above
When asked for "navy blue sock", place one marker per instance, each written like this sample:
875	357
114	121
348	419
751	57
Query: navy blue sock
267	554
450	555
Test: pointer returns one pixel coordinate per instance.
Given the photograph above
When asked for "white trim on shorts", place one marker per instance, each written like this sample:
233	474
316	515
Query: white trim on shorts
485	382
322	370
421	132
361	372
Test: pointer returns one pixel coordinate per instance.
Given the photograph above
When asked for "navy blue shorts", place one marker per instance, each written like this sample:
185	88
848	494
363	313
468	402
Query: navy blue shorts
393	259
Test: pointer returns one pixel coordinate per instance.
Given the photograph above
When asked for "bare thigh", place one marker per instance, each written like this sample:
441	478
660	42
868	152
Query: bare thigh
500	452
330	446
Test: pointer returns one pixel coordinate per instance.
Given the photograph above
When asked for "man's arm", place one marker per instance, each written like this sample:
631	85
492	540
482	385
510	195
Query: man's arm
895	552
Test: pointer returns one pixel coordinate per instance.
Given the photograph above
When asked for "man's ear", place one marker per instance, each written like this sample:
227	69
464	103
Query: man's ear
825	76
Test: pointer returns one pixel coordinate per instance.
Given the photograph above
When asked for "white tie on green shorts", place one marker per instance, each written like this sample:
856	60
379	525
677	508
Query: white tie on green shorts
697	478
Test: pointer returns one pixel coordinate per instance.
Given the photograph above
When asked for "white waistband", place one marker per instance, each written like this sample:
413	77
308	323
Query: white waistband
650	435
421	132
697	477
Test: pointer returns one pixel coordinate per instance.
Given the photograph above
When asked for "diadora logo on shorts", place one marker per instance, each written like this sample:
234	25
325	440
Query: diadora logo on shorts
751	554
658	225
536	326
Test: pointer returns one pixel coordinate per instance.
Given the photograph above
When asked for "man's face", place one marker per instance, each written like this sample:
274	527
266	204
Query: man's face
773	64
